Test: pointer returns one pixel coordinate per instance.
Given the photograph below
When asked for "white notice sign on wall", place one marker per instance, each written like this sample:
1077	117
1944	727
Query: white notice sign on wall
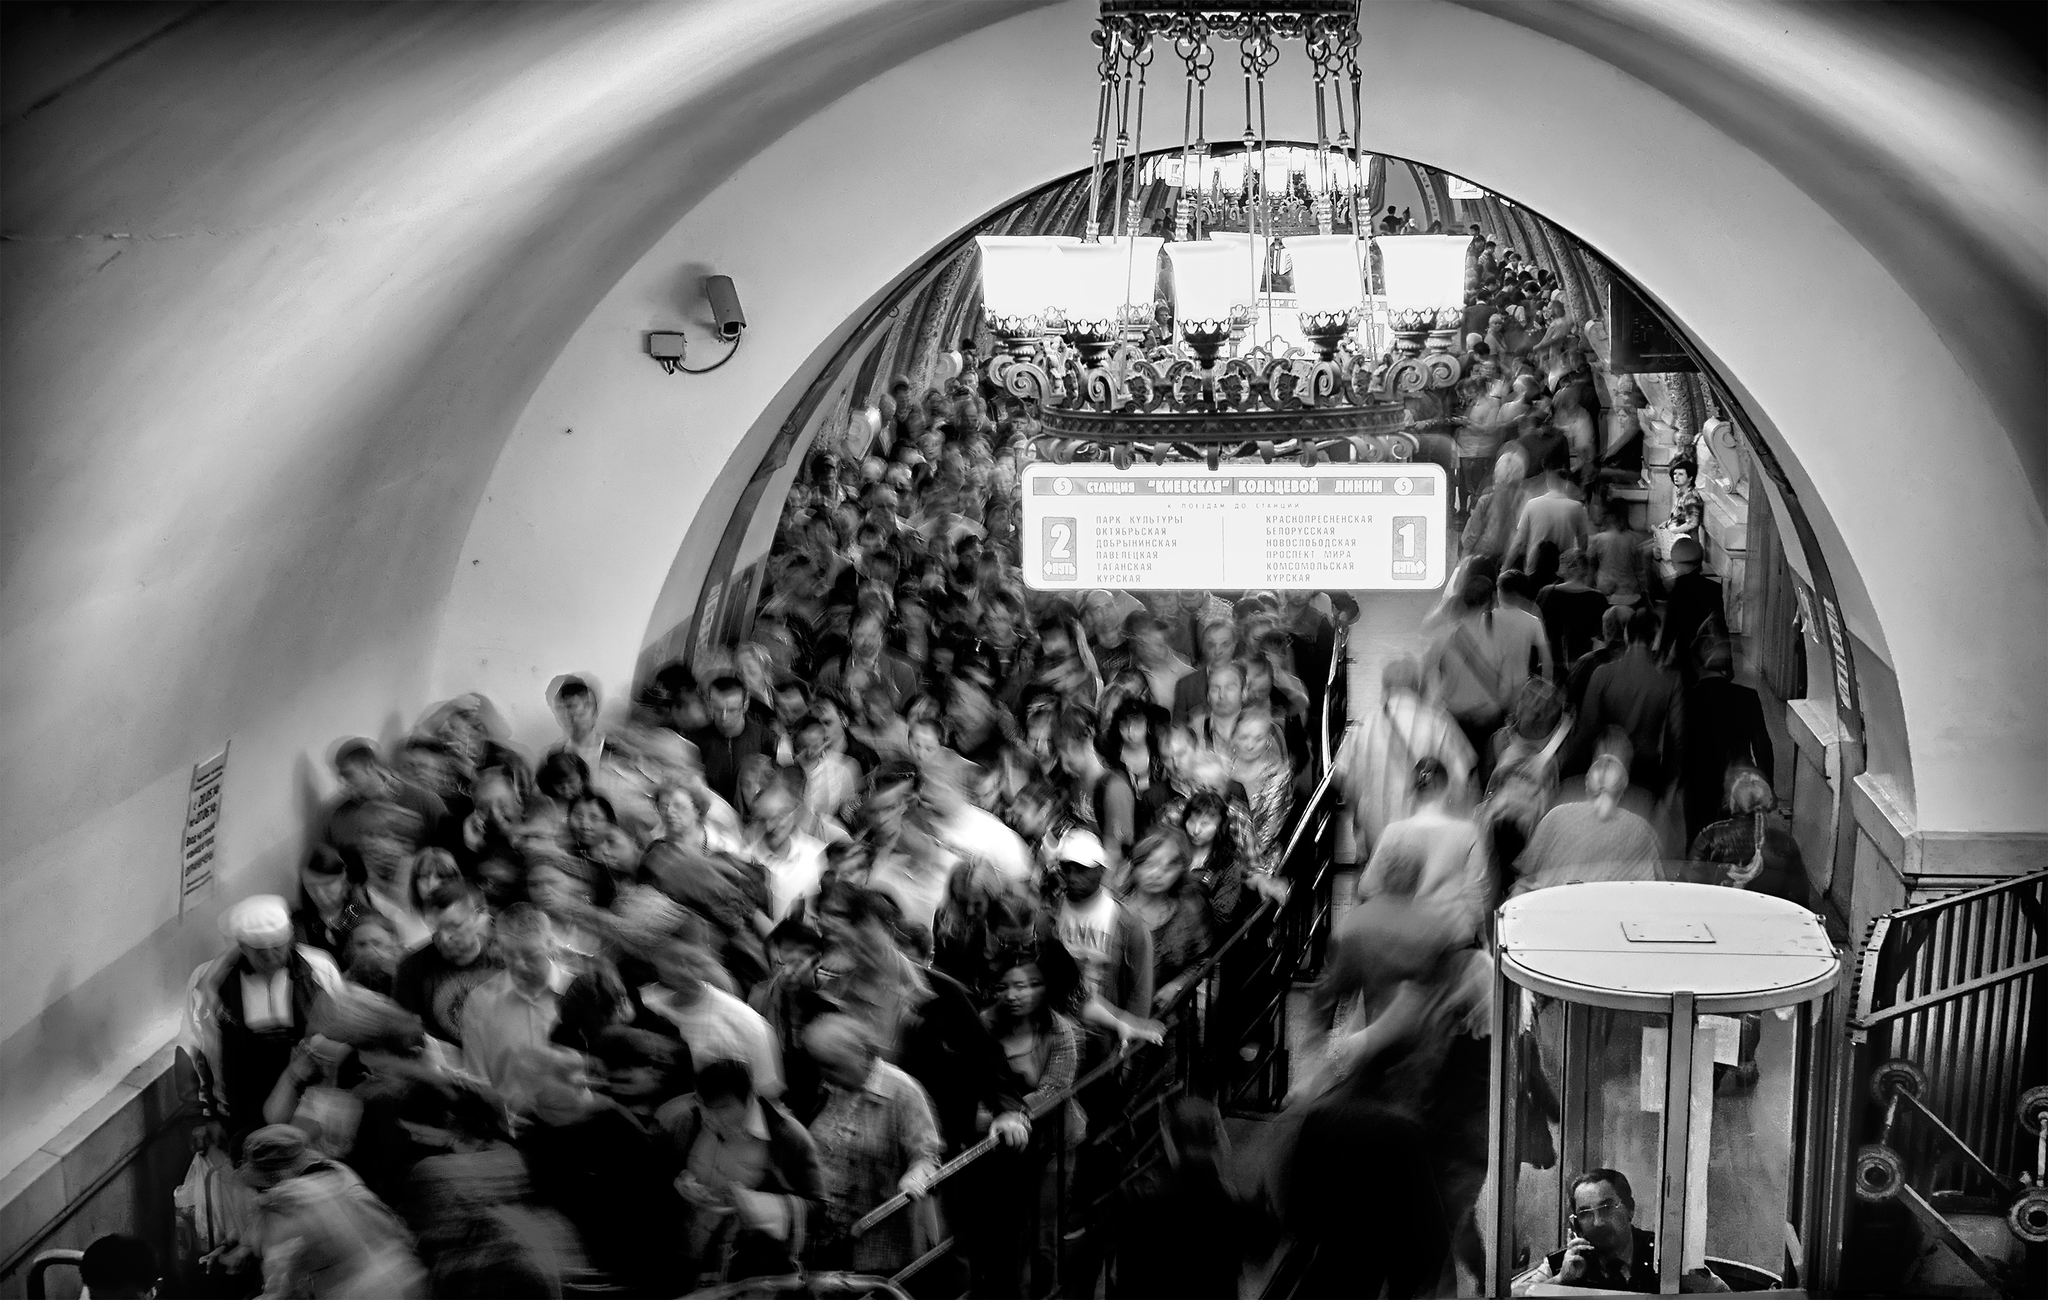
1376	526
202	824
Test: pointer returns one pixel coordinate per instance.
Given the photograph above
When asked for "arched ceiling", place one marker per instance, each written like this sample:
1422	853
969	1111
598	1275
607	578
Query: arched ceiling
323	391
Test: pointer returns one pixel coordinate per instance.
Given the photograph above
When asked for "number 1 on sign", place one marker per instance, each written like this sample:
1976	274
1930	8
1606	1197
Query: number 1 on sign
1411	549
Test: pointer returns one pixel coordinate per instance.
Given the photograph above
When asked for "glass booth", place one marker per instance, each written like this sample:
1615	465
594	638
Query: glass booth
1669	1032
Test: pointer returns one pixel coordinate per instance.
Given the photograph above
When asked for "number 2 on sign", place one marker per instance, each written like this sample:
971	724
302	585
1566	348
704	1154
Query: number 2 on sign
1062	542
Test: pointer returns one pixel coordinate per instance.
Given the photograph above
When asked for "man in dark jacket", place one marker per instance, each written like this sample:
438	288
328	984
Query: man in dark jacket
1640	697
1694	604
1724	724
749	1174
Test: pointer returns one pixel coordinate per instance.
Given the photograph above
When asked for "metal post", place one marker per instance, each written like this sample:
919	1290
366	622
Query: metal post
1502	1132
1678	1044
1578	1081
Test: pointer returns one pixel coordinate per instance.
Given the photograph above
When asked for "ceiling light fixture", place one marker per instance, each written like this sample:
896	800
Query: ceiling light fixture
1208	369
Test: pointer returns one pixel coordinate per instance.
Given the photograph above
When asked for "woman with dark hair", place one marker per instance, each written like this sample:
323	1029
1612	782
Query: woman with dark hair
1134	746
1215	865
563	777
1041	1048
1172	907
330	902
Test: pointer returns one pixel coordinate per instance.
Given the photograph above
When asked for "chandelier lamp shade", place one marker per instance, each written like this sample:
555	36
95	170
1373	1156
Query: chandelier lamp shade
1080	334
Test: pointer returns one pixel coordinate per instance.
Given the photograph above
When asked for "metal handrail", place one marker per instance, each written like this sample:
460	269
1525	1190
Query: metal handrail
1870	973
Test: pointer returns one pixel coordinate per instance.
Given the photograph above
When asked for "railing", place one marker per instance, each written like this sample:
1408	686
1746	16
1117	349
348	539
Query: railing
1239	991
1946	1037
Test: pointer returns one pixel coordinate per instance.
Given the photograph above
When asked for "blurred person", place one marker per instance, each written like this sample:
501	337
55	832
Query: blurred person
1260	765
318	1230
1491	524
1748	849
372	956
1477	665
370	793
1041	1048
435	982
1214	725
1061	667
1641	699
118	1267
562	778
1101	797
1593	839
1606	649
794	860
329	903
750	1176
1110	945
1378	759
1104	614
1185	1232
1571	611
245	1012
1616	557
1723	727
713	1024
1607	1252
722	888
831	779
909	865
1173	909
575	704
512	1015
602	1167
1550	524
1218	641
1692	611
732	736
875	1138
869	658
980	844
1133	744
1457	875
1152	654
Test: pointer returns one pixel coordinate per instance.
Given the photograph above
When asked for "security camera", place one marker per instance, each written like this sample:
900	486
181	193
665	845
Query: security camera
725	307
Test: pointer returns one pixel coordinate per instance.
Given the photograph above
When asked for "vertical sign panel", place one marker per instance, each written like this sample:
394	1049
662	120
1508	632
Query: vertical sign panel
196	843
1374	526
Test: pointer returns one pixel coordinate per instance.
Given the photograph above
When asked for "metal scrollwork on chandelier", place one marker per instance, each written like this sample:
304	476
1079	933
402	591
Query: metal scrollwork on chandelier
1315	345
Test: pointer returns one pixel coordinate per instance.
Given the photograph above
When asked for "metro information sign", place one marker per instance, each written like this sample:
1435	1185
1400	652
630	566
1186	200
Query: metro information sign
1377	526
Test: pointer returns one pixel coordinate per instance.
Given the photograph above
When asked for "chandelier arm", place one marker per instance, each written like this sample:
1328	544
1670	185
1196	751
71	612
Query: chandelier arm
1127	222
1183	207
1103	69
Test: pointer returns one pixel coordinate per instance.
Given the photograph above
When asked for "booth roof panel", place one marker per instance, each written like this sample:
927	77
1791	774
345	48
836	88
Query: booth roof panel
1637	940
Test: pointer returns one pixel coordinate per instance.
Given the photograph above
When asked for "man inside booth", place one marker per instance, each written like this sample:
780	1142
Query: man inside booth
1607	1251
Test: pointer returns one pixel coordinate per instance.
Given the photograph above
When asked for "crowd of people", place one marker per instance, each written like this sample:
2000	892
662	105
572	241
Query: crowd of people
691	993
717	984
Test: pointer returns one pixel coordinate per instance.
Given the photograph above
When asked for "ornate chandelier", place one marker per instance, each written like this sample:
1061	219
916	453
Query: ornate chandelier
1113	365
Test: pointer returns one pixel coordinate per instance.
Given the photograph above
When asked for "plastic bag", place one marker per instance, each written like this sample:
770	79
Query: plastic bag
200	1212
